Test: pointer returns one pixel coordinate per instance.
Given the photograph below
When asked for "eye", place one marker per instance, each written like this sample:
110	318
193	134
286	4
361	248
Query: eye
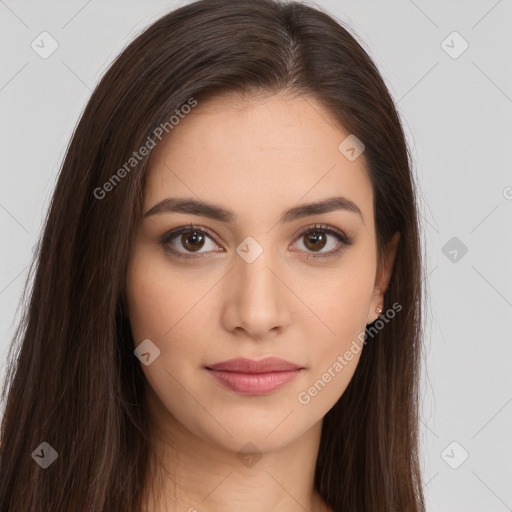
192	239
316	238
313	238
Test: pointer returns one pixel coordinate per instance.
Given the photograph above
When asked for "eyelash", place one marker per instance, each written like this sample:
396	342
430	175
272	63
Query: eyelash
344	240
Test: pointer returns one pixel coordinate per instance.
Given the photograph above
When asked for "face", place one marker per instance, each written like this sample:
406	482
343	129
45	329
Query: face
251	282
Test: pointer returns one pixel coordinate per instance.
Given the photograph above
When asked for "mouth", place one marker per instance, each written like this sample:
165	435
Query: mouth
251	377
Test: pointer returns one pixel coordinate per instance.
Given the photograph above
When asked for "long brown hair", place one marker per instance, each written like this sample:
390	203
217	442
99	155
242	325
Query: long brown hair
74	381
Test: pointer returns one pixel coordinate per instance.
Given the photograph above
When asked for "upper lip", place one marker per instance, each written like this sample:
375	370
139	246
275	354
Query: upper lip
242	365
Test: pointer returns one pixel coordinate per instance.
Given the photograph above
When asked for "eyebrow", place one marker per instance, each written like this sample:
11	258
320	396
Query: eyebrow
215	212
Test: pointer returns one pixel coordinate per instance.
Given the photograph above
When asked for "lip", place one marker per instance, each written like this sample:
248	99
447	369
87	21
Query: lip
252	377
243	365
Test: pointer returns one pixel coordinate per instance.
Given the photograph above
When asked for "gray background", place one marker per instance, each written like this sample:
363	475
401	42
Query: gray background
457	114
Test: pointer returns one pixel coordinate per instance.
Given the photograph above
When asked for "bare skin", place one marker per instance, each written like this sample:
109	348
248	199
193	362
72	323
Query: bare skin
258	159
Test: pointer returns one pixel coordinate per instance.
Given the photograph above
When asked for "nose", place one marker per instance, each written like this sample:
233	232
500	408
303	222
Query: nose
257	299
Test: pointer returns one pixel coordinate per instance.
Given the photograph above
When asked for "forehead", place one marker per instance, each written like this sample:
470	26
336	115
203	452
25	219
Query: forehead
257	156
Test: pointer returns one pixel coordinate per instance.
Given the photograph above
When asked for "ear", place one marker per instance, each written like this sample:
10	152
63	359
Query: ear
382	278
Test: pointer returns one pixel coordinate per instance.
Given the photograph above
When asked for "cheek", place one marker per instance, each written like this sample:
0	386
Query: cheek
166	307
154	299
335	355
150	304
342	305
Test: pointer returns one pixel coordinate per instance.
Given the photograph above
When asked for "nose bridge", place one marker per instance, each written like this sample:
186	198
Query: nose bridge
257	281
257	292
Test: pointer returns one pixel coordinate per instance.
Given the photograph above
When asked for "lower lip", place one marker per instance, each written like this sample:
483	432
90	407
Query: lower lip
253	383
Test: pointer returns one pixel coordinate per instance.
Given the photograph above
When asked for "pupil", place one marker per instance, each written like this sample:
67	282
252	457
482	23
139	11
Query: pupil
316	236
196	237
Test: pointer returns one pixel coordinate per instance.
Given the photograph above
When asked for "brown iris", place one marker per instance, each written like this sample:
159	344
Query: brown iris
313	239
197	240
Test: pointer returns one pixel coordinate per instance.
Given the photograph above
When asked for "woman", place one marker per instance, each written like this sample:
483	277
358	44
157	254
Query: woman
277	368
